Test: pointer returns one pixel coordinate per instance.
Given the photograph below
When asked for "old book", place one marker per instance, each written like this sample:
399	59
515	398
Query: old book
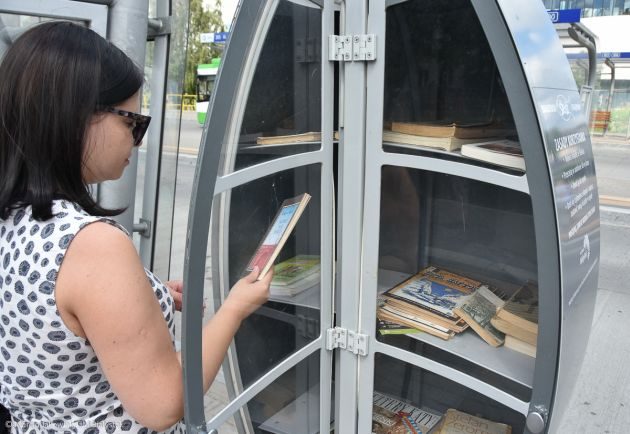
506	153
519	345
294	269
446	143
519	315
415	322
458	325
477	310
414	419
451	129
283	223
386	327
434	289
458	422
312	136
295	287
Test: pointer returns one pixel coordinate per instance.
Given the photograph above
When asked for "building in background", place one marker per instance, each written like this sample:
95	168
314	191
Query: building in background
609	21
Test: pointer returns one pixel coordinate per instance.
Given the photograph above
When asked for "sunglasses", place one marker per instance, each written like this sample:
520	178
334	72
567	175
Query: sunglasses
140	122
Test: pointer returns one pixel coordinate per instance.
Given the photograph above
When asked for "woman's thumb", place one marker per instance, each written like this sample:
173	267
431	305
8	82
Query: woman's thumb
251	277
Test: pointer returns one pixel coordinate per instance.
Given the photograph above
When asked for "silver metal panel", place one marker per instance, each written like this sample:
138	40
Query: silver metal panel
372	214
541	55
234	179
327	219
553	104
95	15
454	375
350	214
263	382
469	171
153	141
127	29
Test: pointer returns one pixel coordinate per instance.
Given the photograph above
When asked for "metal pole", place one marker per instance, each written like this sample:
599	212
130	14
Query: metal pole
611	90
127	28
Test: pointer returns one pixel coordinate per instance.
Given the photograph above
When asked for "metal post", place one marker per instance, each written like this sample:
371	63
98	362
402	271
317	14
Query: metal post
127	28
611	91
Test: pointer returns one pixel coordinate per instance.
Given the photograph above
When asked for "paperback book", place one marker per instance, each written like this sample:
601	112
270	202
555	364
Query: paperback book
435	290
478	309
519	316
501	152
392	416
458	422
277	234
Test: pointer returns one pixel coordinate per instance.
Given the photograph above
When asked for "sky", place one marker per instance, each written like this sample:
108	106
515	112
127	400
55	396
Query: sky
227	8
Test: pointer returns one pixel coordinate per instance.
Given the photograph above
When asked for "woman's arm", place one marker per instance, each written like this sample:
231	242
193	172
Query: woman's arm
103	294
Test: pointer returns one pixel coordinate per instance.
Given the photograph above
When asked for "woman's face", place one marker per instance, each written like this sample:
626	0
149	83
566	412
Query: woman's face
109	143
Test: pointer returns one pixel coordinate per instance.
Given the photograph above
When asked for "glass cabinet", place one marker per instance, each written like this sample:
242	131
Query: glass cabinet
451	175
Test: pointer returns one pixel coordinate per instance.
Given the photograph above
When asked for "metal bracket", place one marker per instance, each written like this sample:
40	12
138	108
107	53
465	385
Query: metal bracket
349	48
158	27
364	47
143	227
345	339
340	48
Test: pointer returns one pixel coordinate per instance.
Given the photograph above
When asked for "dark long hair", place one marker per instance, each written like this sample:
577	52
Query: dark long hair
51	81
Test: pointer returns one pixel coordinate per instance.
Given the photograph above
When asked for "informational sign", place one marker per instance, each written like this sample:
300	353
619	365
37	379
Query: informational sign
217	38
558	16
570	157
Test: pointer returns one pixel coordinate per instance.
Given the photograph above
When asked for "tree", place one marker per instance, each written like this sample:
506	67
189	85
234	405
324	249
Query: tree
202	20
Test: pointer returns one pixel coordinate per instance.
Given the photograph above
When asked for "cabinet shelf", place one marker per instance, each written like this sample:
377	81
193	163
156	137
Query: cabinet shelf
509	364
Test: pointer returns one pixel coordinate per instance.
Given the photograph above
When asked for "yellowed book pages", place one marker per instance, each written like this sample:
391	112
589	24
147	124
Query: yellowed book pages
458	422
507	327
313	136
521	346
451	129
447	143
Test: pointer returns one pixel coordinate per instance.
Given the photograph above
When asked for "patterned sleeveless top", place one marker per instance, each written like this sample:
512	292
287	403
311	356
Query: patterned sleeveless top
50	378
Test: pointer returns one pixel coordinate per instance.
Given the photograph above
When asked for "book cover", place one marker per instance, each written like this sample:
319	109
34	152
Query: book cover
519	345
501	152
283	223
412	418
447	129
458	422
295	287
477	310
386	327
294	269
434	289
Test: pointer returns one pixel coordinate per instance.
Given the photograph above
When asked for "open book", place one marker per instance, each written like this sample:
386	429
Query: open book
283	223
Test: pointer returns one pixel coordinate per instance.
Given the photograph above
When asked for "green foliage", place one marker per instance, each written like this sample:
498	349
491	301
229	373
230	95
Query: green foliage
619	120
201	21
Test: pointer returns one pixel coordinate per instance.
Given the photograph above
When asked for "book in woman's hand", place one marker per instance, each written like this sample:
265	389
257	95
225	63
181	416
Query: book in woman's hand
277	234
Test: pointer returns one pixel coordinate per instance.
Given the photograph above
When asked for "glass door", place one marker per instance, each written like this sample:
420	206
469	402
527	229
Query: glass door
268	137
446	223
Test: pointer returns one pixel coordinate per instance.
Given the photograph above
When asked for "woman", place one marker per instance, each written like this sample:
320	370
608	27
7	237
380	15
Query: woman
85	345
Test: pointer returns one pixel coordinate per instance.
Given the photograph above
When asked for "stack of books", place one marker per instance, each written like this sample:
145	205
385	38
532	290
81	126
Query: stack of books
294	275
518	320
449	136
426	302
393	416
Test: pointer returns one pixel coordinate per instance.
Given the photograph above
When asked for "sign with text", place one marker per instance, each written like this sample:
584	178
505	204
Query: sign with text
571	163
568	16
217	38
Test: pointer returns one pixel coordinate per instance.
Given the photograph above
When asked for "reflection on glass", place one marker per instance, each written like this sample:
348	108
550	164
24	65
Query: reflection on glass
283	111
432	396
291	319
439	71
457	233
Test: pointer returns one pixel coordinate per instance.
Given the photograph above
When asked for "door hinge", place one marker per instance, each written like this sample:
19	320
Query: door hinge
345	339
352	48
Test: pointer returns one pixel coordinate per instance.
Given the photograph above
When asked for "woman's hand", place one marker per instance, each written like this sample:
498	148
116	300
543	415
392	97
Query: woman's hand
176	288
248	294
